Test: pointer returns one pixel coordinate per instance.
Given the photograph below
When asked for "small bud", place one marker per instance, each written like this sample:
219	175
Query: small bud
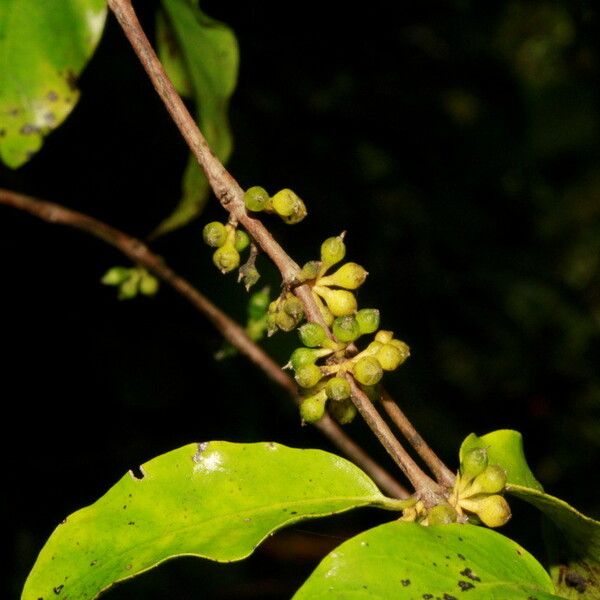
349	276
214	234
385	337
473	463
286	203
306	356
148	284
339	302
294	307
312	408
333	250
346	329
226	258
309	271
372	349
493	511
389	357
367	370
343	412
256	199
402	347
490	481
308	376
258	304
312	334
442	514
242	240
116	275
284	321
368	320
337	389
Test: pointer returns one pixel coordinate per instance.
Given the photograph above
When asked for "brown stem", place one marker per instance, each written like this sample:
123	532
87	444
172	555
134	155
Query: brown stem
429	491
139	253
443	474
226	188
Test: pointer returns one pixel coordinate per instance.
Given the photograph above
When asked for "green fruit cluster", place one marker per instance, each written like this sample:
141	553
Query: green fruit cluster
131	281
229	242
286	203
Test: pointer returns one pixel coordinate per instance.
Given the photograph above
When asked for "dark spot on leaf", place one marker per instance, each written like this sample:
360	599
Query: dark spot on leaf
271	445
531	598
13	112
93	563
128	567
131	523
129	495
49	118
52	96
365	587
63	521
294	512
447	557
577	581
450	597
137	473
2	132
71	79
427	596
465	586
28	129
468	573
518	552
460	539
247	520
434	564
58	589
405	582
461	556
124	506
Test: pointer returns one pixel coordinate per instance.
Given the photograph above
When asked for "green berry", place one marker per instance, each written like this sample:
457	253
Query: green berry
473	463
333	250
286	203
493	511
258	304
372	349
242	240
339	302
308	376
312	334
116	275
309	271
368	320
389	357
491	481
256	198
312	408
343	412
148	285
402	347
337	389
306	356
385	337
367	370
294	307
129	288
214	234
226	258
442	514
346	329
349	276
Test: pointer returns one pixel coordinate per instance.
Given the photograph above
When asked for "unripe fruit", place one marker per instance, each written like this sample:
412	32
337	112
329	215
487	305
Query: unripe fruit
339	302
214	234
148	284
306	356
491	481
284	321
473	463
116	275
310	270
343	412
492	510
312	334
402	347
286	203
333	250
308	376
294	307
337	389
389	357
256	198
242	240
258	304
368	320
129	288
298	215
385	337
367	370
349	276
312	409
372	349
442	514
325	312
226	258
346	329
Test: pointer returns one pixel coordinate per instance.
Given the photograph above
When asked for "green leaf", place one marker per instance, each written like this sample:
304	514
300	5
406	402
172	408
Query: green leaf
505	448
407	560
169	54
575	564
208	49
44	46
216	500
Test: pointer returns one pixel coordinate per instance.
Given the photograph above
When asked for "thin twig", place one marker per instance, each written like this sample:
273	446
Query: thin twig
139	253
442	473
230	195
